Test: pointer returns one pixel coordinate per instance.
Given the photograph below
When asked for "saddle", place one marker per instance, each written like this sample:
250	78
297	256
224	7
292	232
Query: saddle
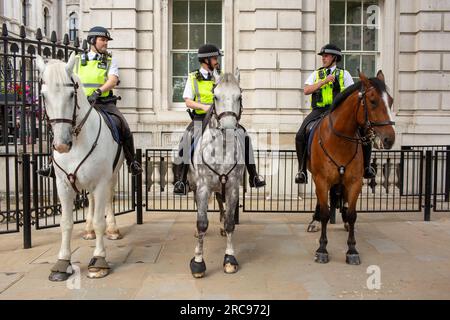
309	133
114	124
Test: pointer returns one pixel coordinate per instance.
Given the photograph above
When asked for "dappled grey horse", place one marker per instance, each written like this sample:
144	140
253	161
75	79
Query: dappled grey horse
218	166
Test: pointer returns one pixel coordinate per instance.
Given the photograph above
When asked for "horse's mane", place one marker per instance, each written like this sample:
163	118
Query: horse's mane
229	78
379	85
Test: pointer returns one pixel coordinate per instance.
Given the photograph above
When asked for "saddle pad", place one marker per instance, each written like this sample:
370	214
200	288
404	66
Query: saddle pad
310	129
113	124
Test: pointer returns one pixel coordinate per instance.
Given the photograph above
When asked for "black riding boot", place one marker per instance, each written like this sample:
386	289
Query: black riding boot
255	180
180	178
302	175
128	148
46	171
369	171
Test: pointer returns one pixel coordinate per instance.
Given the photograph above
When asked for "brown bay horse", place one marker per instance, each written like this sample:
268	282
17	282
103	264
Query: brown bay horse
336	160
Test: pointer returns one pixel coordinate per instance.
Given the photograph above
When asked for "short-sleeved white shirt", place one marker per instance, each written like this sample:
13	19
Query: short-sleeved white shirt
113	68
348	80
188	92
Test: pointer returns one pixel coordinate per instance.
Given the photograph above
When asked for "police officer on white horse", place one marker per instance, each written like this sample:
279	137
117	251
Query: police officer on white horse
99	73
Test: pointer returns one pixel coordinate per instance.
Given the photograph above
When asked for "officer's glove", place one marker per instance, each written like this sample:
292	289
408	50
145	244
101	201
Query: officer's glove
94	97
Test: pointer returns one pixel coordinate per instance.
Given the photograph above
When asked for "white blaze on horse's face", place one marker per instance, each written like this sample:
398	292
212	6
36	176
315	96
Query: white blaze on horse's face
58	98
227	98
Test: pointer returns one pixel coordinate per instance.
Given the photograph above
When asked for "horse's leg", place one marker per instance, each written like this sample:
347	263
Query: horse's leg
230	264
112	232
222	213
352	256
197	265
334	198
322	197
89	233
62	270
98	267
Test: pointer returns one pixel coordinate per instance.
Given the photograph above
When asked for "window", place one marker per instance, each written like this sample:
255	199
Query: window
2	8
25	12
354	27
46	22
193	24
73	26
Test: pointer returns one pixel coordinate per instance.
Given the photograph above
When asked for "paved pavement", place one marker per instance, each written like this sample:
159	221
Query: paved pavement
406	257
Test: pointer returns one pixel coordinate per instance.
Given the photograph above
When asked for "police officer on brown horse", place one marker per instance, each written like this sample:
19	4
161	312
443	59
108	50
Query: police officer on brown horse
324	85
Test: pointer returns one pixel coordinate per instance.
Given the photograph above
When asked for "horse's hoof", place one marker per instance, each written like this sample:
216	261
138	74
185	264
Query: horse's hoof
98	268
97	273
321	257
346	227
223	233
198	269
113	235
313	227
230	264
59	276
353	259
89	235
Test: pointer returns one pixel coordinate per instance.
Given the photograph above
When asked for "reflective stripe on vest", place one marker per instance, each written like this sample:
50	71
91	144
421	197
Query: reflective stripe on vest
202	90
326	95
92	76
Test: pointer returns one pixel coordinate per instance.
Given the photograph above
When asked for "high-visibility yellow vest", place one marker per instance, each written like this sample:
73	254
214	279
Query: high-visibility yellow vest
93	75
202	90
324	97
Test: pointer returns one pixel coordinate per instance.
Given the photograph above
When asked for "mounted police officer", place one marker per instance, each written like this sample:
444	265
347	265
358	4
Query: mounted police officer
99	73
199	97
324	85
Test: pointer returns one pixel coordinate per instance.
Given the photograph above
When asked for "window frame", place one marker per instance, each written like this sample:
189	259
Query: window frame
46	15
25	17
181	105
73	16
376	53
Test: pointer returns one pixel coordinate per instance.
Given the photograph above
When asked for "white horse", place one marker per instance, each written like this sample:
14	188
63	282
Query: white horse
84	152
218	166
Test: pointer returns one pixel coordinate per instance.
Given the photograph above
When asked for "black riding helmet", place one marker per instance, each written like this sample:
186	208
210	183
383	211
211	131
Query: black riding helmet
333	50
97	32
206	52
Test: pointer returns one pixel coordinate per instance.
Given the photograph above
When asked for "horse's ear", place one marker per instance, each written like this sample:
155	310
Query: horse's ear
363	78
217	76
40	64
71	63
380	75
237	75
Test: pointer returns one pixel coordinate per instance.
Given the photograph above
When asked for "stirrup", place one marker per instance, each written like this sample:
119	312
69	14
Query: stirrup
256	182
135	168
301	178
369	173
179	188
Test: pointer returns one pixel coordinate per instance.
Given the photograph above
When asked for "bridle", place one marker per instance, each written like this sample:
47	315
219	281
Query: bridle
368	124
219	116
368	128
75	129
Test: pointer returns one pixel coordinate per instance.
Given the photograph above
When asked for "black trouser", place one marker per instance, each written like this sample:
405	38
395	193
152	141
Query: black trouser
300	138
125	133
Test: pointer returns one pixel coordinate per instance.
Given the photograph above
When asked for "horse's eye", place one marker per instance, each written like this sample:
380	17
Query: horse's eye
374	103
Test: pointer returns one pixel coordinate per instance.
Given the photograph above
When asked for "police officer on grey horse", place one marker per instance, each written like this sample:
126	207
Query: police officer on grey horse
99	73
198	96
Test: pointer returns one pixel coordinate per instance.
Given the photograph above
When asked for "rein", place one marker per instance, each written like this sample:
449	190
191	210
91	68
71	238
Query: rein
368	128
75	131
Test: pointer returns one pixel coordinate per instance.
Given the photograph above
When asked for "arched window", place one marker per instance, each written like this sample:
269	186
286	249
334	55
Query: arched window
46	21
73	26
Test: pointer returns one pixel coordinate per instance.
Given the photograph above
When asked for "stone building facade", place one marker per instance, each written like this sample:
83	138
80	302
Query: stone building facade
275	45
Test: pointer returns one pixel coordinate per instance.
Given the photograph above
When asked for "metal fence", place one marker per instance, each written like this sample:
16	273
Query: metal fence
400	185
